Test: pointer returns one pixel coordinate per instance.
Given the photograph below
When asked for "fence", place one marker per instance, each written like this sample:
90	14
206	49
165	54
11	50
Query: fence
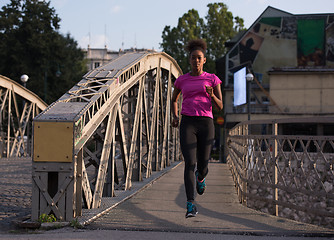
279	171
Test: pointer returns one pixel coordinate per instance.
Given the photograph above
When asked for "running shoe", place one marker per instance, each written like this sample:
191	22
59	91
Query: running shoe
200	185
191	210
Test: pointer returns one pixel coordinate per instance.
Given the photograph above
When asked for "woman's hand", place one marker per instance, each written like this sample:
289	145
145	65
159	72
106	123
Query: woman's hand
209	90
216	95
175	122
175	114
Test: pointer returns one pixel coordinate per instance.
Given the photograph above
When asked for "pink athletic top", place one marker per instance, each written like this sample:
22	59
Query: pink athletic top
196	101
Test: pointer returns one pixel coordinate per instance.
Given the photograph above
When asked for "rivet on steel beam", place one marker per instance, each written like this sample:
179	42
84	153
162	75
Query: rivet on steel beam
61	168
52	204
44	168
43	190
61	190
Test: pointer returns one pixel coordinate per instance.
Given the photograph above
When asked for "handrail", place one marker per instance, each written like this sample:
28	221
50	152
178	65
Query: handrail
284	174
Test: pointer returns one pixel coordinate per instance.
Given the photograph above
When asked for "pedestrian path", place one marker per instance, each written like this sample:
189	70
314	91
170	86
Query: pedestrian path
153	207
15	190
161	207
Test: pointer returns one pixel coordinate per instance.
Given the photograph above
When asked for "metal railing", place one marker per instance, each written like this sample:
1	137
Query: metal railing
286	175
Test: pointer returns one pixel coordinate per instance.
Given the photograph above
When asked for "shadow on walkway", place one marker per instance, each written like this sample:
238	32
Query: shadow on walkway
161	207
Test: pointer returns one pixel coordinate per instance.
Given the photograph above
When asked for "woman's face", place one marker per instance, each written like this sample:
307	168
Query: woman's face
197	60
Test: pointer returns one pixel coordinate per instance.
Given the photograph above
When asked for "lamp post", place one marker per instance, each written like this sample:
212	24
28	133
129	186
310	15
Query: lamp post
249	78
24	79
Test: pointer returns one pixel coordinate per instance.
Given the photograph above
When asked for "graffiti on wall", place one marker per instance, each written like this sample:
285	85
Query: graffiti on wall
291	41
311	42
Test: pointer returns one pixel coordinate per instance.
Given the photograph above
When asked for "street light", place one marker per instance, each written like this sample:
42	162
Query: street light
249	78
24	79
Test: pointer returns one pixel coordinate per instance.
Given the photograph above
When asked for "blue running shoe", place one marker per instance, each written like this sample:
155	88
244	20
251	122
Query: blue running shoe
191	210
200	185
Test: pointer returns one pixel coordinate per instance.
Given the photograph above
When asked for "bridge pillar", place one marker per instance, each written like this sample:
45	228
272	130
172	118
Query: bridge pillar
56	171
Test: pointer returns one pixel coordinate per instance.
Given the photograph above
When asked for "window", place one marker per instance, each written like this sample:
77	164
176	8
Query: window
265	100
96	64
252	100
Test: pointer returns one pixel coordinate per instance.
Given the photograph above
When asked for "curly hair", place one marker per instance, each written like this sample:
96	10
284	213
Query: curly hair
197	44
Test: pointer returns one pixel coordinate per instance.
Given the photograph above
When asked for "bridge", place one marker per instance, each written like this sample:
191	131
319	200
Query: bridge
109	138
18	107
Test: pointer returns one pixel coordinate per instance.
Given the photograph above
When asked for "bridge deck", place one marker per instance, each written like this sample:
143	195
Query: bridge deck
158	206
161	207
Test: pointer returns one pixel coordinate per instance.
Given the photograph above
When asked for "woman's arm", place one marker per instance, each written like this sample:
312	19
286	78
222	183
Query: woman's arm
216	95
175	97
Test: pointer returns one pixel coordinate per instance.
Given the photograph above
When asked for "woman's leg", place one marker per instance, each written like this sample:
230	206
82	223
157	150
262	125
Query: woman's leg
206	134
188	142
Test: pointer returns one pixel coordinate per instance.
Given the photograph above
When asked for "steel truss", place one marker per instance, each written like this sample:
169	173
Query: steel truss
110	129
18	107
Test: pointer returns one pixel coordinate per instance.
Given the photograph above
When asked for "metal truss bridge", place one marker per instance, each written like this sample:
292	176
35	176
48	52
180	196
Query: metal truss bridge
112	128
18	107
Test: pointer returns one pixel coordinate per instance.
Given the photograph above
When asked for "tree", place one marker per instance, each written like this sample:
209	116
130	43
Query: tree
190	26
31	44
219	27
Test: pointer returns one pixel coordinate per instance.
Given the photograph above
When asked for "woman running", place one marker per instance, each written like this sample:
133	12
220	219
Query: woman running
199	89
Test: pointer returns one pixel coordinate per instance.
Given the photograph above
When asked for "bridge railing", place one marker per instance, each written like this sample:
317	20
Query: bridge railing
280	172
112	128
18	107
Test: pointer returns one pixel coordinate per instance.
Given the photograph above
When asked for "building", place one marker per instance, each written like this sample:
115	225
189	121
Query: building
97	57
292	60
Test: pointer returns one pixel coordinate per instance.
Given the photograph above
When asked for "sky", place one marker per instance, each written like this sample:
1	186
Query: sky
139	23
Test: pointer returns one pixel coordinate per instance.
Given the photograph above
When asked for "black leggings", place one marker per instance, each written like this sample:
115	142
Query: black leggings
196	137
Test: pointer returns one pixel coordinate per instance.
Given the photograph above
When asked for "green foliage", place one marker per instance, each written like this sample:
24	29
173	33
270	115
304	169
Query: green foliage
75	223
44	218
218	27
31	44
